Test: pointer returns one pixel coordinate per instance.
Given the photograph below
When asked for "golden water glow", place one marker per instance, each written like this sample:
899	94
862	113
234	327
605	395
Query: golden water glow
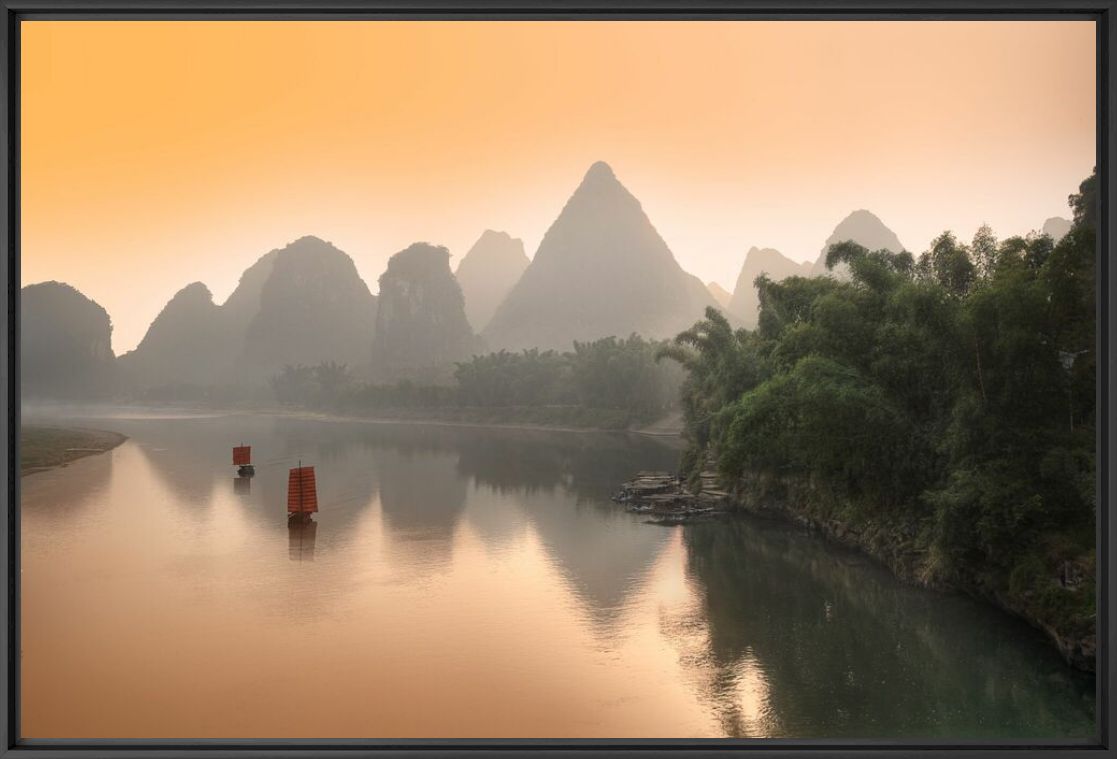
159	153
468	582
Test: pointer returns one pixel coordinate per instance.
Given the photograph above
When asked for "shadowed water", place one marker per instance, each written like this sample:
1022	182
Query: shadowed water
466	582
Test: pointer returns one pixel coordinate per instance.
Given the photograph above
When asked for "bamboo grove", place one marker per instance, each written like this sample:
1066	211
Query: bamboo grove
953	392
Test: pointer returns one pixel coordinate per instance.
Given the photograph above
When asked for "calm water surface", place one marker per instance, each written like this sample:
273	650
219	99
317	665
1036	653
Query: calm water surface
464	582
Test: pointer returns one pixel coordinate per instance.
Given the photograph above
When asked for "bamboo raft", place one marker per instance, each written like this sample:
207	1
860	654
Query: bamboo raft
667	500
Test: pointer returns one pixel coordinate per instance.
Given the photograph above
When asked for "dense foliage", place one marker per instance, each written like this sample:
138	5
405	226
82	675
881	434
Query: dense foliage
956	390
609	374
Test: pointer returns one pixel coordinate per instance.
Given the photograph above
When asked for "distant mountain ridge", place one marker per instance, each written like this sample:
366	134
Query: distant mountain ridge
863	228
185	343
421	326
314	307
302	304
720	295
1056	227
65	344
745	303
488	272
602	269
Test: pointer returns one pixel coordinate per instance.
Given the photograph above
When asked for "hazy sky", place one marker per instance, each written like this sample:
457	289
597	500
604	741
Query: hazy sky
155	154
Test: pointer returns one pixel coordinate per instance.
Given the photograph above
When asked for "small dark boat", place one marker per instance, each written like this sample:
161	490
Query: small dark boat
302	493
242	460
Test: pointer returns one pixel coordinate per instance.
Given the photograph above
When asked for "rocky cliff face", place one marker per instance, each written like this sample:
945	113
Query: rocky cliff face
65	344
863	228
421	326
601	269
488	271
745	304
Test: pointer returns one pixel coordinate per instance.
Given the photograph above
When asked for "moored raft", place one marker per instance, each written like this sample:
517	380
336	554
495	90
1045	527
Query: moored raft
667	498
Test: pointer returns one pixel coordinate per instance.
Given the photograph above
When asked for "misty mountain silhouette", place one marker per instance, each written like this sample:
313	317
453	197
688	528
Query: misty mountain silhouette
601	269
66	343
184	344
1057	227
745	304
420	322
244	302
488	271
302	304
720	295
863	228
314	307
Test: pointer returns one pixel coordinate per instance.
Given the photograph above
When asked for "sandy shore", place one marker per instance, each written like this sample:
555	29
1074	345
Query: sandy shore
44	446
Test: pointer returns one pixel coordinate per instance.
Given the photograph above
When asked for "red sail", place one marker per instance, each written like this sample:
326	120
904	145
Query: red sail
302	493
242	455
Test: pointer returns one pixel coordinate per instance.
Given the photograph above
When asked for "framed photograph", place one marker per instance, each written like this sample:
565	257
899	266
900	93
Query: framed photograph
407	378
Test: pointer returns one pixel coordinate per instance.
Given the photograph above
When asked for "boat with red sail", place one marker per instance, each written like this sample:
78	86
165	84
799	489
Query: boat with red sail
242	460
302	493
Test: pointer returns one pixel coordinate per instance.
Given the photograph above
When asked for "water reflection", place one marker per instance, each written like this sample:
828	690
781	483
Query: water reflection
421	501
300	535
186	457
845	650
601	550
487	576
586	465
92	480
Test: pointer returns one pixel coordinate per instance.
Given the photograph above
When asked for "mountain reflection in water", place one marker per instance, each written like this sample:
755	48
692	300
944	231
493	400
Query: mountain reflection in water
468	582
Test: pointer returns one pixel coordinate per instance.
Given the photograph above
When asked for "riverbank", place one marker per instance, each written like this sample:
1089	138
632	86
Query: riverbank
1061	607
43	447
548	418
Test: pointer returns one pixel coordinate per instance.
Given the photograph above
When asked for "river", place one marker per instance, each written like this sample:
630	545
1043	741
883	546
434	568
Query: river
468	582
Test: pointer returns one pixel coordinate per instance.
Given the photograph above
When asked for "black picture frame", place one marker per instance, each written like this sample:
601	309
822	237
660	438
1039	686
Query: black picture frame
1103	12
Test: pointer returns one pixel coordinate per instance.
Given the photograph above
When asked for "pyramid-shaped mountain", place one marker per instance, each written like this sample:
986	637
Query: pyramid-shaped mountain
488	271
601	270
863	228
776	266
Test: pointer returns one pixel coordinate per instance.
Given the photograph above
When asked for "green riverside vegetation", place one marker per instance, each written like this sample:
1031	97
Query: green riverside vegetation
609	383
937	411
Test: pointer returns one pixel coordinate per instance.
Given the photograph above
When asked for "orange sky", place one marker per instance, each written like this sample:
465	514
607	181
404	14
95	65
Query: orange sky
155	154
